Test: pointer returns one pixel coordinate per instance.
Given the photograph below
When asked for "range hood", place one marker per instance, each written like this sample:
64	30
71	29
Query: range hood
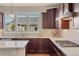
66	16
67	11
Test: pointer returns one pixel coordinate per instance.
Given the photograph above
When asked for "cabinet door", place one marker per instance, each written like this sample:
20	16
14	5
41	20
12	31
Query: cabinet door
64	24
58	51
68	7
46	45
38	45
40	48
52	50
32	46
71	7
45	20
1	20
51	18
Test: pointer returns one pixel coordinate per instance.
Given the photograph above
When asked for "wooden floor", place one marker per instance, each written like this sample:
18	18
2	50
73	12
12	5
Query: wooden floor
37	54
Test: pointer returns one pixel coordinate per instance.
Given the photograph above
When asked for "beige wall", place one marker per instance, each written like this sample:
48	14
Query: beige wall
23	9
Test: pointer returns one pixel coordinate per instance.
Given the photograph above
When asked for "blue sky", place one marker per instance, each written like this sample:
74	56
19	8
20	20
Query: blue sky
7	19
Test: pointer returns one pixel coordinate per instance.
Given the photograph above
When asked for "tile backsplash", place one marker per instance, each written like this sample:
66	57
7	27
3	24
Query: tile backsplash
41	33
71	34
49	33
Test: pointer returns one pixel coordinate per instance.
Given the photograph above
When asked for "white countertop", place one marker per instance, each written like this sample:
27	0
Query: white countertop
69	51
13	44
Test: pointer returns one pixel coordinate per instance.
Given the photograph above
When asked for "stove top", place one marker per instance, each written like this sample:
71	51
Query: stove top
66	43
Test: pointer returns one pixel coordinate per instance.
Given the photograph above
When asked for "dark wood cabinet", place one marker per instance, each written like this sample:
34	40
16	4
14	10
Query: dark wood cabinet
65	24
49	19
54	50
32	46
42	45
1	20
71	7
38	45
46	45
44	20
40	48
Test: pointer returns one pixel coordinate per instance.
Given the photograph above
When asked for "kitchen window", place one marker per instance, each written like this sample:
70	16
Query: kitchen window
9	23
24	22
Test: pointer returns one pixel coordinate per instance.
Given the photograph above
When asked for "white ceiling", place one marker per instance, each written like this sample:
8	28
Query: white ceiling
29	4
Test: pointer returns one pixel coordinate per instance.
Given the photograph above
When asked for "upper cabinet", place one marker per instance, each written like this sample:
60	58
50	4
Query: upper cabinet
71	7
64	24
1	20
68	7
49	19
45	20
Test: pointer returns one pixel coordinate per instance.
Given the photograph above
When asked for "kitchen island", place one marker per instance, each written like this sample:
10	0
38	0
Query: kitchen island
13	48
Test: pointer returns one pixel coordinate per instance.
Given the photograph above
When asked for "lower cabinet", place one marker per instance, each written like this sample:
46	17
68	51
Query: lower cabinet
43	45
54	50
46	45
32	46
38	45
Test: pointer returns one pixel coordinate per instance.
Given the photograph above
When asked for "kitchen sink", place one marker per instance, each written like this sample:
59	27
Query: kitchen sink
66	43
